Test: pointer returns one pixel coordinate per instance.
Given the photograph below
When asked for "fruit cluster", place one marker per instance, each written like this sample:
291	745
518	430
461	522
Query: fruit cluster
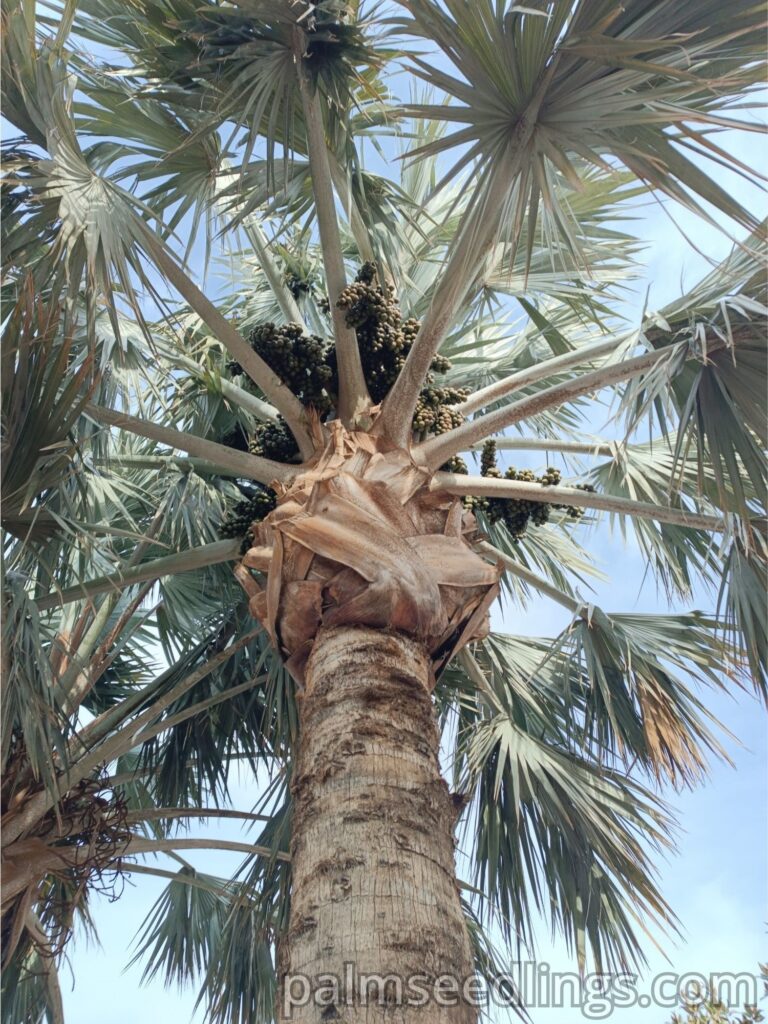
274	441
298	359
308	366
516	513
241	517
301	362
436	411
455	465
384	339
297	286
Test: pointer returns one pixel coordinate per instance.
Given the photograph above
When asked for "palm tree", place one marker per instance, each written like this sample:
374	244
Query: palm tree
369	333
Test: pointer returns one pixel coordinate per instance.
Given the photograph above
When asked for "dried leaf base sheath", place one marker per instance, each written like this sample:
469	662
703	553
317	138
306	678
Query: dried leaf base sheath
372	852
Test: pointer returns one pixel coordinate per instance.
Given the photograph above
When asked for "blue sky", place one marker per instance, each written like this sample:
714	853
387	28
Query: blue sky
716	883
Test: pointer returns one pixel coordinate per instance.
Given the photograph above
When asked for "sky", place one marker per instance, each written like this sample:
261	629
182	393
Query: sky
716	882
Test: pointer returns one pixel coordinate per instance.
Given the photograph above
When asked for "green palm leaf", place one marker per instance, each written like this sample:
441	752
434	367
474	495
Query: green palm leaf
742	602
637	704
717	399
253	141
574	839
581	75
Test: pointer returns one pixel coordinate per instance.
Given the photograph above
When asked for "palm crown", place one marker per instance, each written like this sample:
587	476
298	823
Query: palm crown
465	304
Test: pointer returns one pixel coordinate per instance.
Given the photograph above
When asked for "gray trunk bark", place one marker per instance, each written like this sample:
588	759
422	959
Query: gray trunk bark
374	882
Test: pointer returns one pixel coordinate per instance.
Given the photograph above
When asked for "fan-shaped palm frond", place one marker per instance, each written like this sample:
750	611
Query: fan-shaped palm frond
717	399
588	70
546	822
150	442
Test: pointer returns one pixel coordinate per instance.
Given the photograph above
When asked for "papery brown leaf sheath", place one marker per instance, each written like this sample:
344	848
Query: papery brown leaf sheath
358	539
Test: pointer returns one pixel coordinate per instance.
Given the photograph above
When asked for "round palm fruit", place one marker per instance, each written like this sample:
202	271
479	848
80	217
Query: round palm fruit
296	285
274	441
440	364
435	409
299	360
551	477
243	514
367	272
456	465
517	513
384	339
571	510
488	466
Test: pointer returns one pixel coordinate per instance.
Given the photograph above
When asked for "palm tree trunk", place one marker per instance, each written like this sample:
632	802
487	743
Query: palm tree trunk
374	881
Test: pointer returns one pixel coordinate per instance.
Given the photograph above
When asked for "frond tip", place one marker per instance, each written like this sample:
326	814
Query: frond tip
554	834
636	702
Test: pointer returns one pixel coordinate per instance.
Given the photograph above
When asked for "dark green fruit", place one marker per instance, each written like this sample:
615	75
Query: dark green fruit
517	513
308	366
488	466
384	339
274	441
243	514
297	286
456	465
300	361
